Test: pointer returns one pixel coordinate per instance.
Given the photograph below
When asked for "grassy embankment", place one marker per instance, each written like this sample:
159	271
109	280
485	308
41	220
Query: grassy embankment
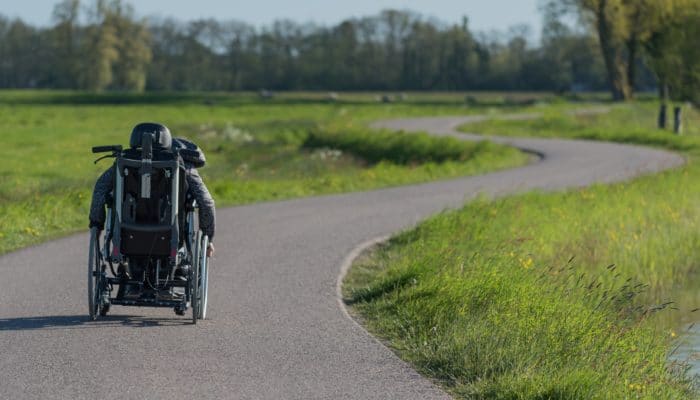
536	296
257	150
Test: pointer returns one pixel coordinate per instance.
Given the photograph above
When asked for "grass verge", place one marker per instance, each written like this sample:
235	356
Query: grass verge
564	295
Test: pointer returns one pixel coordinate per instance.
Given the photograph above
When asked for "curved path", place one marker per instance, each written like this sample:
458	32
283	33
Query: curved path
275	329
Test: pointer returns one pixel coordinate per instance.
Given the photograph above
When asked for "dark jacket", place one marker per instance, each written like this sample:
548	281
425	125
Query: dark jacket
207	210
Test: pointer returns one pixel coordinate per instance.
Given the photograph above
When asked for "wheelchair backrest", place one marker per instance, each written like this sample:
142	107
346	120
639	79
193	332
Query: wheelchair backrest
149	201
147	195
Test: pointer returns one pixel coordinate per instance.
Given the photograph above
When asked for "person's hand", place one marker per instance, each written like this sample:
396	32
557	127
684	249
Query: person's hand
210	250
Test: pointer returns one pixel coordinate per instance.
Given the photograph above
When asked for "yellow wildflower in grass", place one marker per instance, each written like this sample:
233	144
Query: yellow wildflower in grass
586	195
637	386
675	216
31	231
526	263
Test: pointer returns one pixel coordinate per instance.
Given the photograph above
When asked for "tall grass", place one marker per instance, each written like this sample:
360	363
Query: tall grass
399	147
536	296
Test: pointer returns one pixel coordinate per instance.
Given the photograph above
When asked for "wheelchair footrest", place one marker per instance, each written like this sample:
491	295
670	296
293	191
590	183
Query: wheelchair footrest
147	302
119	281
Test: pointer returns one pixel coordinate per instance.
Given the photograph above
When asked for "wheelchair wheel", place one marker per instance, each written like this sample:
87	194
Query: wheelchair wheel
194	302
194	279
94	275
203	289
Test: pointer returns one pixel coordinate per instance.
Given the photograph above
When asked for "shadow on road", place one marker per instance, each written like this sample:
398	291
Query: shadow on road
52	322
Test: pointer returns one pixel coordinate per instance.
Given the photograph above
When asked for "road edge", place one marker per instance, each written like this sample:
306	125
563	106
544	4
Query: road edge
345	266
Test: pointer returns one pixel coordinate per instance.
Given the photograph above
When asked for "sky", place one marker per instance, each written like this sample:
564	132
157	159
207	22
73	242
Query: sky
484	15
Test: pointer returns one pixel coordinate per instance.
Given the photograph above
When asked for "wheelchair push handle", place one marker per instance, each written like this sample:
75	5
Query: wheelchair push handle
115	149
105	149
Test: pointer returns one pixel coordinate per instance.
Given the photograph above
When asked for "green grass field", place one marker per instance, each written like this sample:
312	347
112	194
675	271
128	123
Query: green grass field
562	295
256	149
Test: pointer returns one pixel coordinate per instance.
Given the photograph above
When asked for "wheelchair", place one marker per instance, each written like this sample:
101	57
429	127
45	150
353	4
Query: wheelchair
151	234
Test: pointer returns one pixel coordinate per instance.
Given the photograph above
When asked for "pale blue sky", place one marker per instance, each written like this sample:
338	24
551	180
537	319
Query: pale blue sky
484	15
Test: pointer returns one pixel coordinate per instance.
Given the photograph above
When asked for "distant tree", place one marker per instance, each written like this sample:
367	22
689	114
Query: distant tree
238	59
340	63
65	44
167	46
422	58
394	26
133	47
115	50
20	47
100	49
459	59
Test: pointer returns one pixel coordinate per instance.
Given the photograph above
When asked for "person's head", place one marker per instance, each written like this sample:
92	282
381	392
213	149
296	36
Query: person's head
160	133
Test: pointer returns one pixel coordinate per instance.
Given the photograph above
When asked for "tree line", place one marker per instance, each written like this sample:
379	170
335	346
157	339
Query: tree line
621	45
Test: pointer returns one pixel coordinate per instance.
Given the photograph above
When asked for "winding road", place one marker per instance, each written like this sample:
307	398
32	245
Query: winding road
275	327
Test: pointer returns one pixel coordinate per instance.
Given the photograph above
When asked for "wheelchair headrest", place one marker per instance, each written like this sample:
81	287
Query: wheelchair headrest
160	134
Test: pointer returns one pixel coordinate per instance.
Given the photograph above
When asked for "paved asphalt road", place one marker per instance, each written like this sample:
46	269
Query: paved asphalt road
275	329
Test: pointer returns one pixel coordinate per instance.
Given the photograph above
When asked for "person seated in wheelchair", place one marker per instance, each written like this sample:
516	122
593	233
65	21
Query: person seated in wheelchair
152	209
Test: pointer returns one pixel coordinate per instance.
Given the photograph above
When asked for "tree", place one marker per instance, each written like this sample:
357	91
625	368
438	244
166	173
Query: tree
568	58
100	48
133	47
64	37
20	47
610	18
239	58
459	61
624	27
673	53
116	48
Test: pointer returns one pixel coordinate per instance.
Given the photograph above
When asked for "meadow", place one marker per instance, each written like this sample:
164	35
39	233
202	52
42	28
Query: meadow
581	294
293	145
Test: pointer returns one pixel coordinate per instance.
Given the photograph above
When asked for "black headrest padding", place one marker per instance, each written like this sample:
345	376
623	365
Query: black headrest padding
161	137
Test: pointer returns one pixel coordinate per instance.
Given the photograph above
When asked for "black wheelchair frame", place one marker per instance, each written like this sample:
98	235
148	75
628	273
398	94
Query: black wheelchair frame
159	244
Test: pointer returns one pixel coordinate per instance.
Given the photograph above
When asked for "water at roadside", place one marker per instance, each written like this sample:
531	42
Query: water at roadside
687	349
682	321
